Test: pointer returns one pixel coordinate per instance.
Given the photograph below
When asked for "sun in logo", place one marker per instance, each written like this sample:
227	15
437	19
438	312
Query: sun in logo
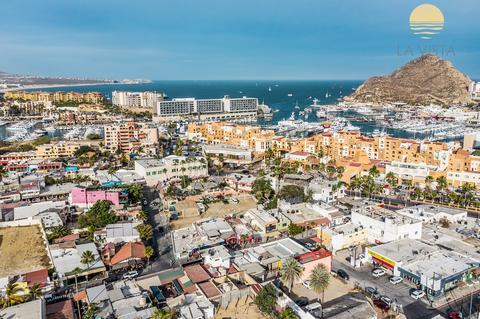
426	21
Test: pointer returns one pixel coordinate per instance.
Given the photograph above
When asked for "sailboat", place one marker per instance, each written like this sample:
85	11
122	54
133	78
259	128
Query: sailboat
269	89
296	106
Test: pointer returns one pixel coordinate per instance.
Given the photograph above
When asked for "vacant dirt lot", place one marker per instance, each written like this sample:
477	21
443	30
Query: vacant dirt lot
220	209
243	309
335	289
22	250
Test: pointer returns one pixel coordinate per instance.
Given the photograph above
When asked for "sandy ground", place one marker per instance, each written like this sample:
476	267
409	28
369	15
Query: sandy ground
22	250
243	309
336	289
219	209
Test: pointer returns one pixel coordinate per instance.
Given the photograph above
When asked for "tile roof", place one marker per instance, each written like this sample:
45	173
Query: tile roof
60	310
128	251
209	289
197	273
37	277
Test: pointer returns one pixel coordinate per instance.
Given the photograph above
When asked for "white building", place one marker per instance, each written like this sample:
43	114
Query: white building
122	232
231	154
384	225
137	99
326	191
474	90
172	167
216	257
410	171
226	108
431	213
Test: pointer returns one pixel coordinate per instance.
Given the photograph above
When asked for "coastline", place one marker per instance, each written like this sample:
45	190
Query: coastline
50	86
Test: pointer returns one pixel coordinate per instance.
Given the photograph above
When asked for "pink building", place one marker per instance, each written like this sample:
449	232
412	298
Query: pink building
84	197
310	260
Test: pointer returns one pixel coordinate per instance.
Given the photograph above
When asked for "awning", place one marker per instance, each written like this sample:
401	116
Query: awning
383	263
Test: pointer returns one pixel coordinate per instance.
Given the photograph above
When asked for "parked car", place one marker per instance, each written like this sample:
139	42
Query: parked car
343	274
372	292
378	272
130	275
417	294
396	280
306	283
302	301
386	300
452	314
382	305
234	200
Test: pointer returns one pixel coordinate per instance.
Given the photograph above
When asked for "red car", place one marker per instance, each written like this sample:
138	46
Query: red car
454	315
382	305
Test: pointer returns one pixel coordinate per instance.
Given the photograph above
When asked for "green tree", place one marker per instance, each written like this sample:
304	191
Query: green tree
294	229
266	300
374	172
142	215
292	192
391	179
145	231
288	313
135	192
428	180
90	312
35	291
262	189
149	252
57	232
3	173
93	136
162	314
291	272
99	216
185	181
87	258
319	279
11	296
83	150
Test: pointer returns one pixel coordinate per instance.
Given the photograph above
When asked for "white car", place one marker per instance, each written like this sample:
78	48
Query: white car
306	283
396	280
378	272
130	275
417	294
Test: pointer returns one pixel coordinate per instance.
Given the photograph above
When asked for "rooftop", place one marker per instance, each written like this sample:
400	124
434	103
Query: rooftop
405	250
384	215
430	211
28	310
122	230
67	259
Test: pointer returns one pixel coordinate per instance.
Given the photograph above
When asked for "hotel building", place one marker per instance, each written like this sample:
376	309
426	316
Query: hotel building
90	97
226	108
147	100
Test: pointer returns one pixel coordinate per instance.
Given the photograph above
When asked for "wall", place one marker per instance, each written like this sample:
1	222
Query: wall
83	197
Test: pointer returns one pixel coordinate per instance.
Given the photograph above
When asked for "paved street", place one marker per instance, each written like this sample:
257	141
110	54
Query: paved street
161	239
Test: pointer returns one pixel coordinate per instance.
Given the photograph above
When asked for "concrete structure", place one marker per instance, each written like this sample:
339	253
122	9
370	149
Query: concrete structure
384	225
57	150
415	172
196	306
230	154
431	213
147	100
29	310
208	109
89	97
84	197
160	171
130	136
474	90
342	236
326	191
240	182
122	232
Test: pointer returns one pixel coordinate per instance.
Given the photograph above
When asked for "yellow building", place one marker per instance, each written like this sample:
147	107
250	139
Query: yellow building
52	151
89	97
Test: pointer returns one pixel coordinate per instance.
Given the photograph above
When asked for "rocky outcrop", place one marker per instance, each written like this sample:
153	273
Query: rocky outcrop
423	81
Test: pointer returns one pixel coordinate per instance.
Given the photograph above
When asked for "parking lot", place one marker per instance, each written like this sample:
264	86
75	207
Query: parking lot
398	293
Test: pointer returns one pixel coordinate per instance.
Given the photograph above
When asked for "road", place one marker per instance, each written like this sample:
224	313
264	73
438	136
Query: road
161	242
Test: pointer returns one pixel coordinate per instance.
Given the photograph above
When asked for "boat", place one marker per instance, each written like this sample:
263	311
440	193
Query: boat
269	89
296	106
364	110
40	131
315	104
289	94
265	112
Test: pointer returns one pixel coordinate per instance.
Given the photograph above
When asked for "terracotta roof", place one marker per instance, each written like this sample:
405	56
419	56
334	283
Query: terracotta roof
314	255
60	310
196	273
71	237
128	251
37	277
300	153
209	289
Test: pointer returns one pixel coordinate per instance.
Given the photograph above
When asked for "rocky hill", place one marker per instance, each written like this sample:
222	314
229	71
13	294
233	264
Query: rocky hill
425	80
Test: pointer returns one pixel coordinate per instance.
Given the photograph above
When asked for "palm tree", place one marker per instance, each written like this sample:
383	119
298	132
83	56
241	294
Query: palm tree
11	295
291	272
149	252
374	172
320	279
35	291
145	231
391	179
142	215
162	314
428	180
90	312
2	172
87	258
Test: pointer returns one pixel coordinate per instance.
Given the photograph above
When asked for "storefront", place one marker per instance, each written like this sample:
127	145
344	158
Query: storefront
379	260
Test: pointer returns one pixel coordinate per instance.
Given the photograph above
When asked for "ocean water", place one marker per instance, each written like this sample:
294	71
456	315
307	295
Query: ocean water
303	92
275	94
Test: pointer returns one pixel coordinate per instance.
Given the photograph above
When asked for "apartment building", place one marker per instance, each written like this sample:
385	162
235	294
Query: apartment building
56	150
89	97
129	136
474	90
226	108
160	171
146	100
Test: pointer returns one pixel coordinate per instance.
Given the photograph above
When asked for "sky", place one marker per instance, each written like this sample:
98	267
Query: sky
226	39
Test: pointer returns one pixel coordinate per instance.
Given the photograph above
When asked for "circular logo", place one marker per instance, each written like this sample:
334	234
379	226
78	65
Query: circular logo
426	21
